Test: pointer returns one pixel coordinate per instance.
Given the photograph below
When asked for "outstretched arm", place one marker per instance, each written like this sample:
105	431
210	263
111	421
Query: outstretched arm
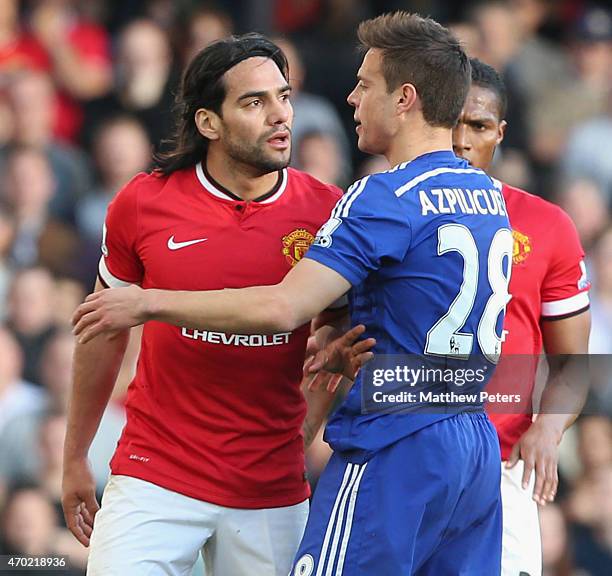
307	289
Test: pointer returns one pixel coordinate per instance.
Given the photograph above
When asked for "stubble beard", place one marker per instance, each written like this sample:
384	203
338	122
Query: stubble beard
255	156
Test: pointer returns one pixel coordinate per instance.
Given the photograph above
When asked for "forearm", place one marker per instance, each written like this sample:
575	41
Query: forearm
565	393
319	404
560	405
255	310
566	342
95	368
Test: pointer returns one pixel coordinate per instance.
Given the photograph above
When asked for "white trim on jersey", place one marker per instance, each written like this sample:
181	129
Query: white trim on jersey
426	175
565	306
212	189
110	280
281	189
339	525
356	188
207	184
354	195
498	184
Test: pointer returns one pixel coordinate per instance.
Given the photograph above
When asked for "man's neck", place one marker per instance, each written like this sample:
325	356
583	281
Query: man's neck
242	180
411	143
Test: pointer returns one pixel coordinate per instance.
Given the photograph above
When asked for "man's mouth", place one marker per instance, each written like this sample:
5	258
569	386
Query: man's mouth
279	140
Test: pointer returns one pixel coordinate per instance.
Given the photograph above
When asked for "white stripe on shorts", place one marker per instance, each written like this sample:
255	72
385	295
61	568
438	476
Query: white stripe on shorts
336	524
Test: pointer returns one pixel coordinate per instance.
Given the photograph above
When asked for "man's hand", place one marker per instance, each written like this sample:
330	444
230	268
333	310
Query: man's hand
79	499
109	311
537	447
344	356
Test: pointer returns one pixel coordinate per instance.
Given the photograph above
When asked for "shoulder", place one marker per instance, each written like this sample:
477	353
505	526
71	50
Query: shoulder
521	202
142	184
416	175
306	183
372	194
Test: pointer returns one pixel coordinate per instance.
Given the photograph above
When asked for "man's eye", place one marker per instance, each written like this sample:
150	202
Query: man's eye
255	103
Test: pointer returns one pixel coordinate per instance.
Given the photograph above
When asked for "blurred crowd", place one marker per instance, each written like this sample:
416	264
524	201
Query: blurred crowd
86	94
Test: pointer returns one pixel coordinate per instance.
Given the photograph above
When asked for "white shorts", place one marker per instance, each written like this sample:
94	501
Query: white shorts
521	543
145	530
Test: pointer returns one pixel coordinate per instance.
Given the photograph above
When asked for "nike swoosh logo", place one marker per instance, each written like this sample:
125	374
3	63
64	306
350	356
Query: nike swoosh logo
172	245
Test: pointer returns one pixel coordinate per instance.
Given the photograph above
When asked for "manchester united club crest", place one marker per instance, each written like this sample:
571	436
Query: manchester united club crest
296	244
522	247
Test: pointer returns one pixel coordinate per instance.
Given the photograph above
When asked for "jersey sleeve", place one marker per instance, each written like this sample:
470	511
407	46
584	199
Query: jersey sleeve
120	264
367	228
565	287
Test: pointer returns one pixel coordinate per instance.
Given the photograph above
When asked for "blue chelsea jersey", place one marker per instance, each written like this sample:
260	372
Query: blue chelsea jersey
426	247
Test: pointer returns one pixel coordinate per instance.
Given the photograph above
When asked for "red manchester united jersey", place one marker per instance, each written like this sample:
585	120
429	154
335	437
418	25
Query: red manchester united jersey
212	415
548	282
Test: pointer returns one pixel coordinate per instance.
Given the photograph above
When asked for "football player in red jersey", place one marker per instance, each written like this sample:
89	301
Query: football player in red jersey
212	455
549	308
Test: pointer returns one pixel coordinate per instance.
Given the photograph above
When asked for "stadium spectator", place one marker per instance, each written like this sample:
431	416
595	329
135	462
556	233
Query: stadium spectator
17	396
121	149
30	316
31	98
589	504
29	527
19	440
313	114
67	295
593	541
144	82
19	51
78	58
584	201
40	238
319	155
556	547
205	25
587	153
7	231
601	332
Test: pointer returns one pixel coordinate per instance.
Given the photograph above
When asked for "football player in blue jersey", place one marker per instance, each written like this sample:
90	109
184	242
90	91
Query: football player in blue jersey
424	252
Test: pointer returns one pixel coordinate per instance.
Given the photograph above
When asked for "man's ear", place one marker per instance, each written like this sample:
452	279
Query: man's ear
501	132
407	98
208	123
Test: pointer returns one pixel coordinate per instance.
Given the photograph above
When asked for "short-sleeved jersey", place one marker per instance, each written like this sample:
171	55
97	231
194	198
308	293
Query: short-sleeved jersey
213	415
426	248
548	283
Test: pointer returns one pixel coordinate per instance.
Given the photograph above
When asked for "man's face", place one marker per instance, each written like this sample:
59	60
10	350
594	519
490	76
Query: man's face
480	128
256	115
374	109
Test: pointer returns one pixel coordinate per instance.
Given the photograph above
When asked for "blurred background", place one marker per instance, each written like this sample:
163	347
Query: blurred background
86	93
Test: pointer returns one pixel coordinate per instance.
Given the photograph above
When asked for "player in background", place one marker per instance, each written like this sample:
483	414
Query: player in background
548	309
212	455
404	493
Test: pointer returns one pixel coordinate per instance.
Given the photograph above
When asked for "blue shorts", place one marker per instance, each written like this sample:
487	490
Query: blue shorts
429	504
